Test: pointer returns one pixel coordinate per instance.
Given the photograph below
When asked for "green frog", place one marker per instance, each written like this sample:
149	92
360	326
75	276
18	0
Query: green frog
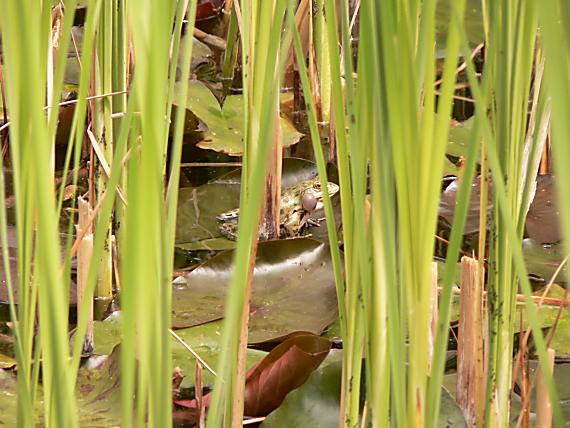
296	203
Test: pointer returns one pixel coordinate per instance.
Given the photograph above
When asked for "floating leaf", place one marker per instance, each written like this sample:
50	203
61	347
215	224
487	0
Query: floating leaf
473	23
225	123
97	391
543	260
458	138
543	219
285	368
293	290
448	201
317	402
204	339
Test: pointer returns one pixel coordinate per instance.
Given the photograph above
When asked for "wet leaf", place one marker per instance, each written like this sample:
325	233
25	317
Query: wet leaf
293	290
97	392
225	123
317	402
543	219
543	260
8	389
204	339
213	244
473	22
448	201
284	369
458	138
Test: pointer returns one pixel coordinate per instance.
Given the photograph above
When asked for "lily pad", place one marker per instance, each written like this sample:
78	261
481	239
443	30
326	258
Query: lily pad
317	403
293	290
473	23
204	339
458	138
97	392
199	206
448	201
543	219
225	123
543	260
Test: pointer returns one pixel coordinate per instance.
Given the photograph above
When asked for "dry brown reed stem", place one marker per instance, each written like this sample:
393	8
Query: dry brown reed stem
211	40
104	164
540	301
544	406
525	385
470	346
550	301
83	231
199	395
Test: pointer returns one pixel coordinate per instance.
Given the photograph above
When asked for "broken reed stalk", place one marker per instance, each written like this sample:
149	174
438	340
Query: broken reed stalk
543	404
470	345
199	396
84	254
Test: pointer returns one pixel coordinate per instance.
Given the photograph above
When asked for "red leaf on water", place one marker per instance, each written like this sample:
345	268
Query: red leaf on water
285	368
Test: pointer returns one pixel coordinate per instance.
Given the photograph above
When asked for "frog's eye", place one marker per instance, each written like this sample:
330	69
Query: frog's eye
318	185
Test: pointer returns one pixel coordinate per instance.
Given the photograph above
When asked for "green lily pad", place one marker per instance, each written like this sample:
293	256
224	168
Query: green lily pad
316	403
473	23
543	260
543	218
199	206
458	138
97	389
8	389
548	315
204	339
293	290
448	201
226	123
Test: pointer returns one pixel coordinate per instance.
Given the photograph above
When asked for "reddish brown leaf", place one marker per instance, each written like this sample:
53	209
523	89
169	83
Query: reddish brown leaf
285	368
206	9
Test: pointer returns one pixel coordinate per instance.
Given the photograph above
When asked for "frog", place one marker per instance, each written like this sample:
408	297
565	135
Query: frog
297	202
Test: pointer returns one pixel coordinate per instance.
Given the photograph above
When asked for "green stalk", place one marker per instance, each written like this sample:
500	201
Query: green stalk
263	115
512	235
321	44
230	54
103	130
31	148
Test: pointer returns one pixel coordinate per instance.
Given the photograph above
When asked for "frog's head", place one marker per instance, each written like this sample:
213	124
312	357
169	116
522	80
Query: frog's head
313	196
